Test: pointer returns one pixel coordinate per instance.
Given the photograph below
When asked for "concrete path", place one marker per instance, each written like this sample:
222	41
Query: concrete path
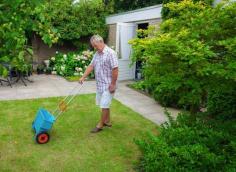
52	85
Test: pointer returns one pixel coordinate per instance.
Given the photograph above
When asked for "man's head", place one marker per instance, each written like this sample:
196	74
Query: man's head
97	42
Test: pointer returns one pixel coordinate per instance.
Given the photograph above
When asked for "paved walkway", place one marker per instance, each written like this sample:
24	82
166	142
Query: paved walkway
52	85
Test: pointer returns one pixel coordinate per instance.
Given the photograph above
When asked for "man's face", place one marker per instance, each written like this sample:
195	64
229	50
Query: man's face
98	46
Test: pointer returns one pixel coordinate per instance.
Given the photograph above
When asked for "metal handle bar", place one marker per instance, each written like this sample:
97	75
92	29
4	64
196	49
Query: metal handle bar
66	101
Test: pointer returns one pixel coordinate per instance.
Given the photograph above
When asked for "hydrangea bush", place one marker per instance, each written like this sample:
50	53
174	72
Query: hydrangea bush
71	64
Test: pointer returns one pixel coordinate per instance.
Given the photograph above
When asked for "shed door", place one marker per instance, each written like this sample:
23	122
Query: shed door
124	33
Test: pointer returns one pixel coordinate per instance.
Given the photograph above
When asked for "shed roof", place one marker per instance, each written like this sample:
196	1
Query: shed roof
148	13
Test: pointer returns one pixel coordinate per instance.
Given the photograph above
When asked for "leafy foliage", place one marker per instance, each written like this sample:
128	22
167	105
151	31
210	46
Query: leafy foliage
73	21
222	102
167	12
17	24
192	53
190	145
54	21
121	5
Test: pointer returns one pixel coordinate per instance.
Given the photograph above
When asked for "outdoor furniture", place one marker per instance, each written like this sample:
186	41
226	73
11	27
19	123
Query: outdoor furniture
22	76
8	79
5	80
14	73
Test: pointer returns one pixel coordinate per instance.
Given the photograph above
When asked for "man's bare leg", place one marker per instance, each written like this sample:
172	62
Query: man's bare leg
104	117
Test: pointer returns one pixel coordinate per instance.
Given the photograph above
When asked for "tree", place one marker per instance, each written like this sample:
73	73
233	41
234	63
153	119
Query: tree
121	5
192	54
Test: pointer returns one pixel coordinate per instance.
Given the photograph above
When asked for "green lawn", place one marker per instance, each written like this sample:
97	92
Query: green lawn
72	78
72	147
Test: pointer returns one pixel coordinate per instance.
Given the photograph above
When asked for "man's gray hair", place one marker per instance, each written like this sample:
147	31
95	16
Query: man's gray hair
96	38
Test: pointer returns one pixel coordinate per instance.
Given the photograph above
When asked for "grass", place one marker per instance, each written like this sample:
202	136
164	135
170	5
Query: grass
72	78
72	147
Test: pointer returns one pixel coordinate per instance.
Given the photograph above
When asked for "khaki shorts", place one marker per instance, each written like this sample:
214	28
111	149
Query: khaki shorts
103	100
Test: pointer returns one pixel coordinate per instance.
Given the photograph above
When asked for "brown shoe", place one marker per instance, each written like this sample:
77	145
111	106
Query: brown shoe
96	130
107	125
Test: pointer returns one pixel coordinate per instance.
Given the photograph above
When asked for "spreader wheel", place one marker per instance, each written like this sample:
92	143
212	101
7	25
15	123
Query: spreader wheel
42	138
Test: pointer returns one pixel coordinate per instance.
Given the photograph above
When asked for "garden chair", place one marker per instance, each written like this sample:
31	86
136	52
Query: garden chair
8	79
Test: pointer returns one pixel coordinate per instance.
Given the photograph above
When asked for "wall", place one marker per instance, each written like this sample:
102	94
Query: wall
125	71
147	13
43	52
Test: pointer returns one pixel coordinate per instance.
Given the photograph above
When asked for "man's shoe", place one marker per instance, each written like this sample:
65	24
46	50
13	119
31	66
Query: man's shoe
107	125
96	130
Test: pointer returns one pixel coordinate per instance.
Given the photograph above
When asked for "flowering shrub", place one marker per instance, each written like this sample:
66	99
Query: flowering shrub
71	64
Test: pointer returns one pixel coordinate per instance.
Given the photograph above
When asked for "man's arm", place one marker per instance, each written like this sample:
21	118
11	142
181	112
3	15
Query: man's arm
112	87
86	73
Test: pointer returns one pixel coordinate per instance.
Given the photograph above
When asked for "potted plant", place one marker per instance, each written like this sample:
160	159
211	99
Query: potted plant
48	70
40	69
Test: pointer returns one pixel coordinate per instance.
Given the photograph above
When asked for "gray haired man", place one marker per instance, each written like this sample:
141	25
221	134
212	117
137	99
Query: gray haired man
105	65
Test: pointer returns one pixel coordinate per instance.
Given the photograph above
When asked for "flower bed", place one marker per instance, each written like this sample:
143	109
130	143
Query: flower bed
71	64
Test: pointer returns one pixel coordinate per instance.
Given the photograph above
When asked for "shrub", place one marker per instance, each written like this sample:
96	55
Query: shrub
71	64
222	102
73	21
167	13
120	5
140	85
190	55
190	145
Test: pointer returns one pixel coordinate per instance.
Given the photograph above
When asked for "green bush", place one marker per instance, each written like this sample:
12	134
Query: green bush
191	54
73	21
71	64
167	13
121	5
222	103
140	85
13	40
190	145
55	21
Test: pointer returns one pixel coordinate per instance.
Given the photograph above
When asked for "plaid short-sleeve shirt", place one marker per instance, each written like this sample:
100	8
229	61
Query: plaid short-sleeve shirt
103	64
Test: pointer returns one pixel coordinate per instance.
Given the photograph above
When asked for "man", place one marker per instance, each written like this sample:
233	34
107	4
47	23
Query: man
105	65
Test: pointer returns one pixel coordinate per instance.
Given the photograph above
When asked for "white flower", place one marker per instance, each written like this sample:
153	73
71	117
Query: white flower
78	69
83	61
53	58
62	68
53	68
54	72
85	58
76	74
81	73
65	56
56	52
77	58
85	66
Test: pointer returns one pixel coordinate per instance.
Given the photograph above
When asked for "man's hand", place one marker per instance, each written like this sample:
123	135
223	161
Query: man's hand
81	80
86	73
112	88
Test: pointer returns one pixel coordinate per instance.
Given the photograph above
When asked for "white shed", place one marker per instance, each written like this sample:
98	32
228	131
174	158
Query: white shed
122	28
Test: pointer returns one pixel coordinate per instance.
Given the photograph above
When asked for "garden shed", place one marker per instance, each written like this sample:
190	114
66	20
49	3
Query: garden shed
122	28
